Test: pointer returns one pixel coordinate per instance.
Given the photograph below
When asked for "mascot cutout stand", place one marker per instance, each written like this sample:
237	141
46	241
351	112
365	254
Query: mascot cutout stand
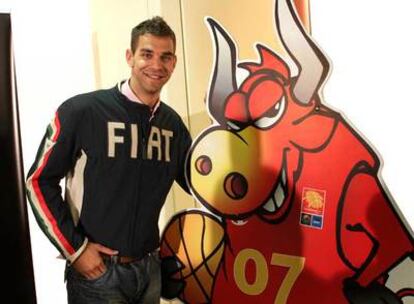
295	211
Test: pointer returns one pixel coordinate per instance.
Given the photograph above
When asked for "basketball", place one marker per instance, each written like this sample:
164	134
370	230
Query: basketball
196	240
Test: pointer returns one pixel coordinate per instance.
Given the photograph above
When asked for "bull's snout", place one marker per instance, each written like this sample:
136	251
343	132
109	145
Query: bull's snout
230	173
235	184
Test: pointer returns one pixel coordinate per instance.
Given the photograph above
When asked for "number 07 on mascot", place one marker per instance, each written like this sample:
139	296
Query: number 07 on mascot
295	209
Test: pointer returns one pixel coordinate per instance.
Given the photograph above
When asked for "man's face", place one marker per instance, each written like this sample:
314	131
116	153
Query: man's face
151	64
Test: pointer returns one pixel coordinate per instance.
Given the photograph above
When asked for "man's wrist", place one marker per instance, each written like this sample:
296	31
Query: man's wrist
71	259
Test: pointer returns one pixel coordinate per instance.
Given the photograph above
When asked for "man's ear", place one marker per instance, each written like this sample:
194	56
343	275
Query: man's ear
175	61
129	57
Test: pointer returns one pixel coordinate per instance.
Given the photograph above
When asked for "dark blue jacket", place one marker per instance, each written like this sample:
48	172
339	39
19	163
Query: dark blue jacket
119	167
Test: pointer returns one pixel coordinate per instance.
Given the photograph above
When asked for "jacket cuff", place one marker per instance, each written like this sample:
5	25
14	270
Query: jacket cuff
74	256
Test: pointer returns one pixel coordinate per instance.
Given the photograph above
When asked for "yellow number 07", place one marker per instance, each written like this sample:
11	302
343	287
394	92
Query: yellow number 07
294	263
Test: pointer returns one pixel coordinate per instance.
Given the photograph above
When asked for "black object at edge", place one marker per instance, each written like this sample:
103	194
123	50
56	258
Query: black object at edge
16	257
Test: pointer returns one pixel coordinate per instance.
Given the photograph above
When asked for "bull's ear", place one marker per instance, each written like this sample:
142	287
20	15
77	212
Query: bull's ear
313	132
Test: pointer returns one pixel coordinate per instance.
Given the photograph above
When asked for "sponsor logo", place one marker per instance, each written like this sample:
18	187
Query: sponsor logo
313	207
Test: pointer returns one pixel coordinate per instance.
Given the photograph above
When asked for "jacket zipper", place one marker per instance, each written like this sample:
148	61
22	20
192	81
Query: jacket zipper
145	127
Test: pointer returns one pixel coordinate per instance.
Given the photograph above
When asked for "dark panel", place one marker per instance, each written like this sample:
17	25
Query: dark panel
16	257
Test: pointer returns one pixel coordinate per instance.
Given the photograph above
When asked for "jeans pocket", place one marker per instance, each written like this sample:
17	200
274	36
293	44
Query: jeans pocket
98	278
78	276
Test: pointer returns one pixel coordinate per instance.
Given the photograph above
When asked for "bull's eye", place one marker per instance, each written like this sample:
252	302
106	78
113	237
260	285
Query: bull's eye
233	125
272	116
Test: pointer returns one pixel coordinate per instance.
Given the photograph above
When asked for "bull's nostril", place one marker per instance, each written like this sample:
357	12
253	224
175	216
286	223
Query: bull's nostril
203	165
235	185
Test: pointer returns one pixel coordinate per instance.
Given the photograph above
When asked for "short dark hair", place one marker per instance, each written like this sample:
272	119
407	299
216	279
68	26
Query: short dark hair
155	26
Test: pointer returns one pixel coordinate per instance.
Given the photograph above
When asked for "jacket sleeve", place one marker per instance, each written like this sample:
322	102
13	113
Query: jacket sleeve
185	143
56	155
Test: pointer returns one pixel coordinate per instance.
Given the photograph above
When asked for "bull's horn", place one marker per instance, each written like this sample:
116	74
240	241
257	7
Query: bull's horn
223	80
312	64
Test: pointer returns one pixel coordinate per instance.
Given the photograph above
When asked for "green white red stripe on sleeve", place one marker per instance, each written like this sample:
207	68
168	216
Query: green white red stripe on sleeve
39	204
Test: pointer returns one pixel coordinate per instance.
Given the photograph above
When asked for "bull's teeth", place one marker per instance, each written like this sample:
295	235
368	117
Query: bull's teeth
270	205
279	196
239	222
284	178
277	106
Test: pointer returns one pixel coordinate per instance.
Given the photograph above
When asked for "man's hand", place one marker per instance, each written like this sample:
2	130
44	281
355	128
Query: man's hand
90	263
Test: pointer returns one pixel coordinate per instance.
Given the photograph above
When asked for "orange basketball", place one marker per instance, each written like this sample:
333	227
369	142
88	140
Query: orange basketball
196	240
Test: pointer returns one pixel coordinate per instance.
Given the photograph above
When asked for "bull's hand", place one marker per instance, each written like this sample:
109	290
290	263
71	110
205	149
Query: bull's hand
171	287
374	293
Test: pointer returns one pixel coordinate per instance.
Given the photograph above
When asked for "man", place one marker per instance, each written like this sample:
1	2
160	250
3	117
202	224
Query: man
120	150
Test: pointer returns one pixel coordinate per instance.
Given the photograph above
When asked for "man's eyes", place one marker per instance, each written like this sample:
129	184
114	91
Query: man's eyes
166	58
146	55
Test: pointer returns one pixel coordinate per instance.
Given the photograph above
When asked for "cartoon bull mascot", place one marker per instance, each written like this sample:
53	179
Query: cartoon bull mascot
295	211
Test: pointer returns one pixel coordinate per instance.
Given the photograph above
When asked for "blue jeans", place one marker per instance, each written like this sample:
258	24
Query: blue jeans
136	282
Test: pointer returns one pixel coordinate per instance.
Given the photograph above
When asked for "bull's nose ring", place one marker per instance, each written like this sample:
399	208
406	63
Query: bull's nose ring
235	185
203	165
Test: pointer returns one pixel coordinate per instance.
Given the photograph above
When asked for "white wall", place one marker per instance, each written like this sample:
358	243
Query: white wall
369	43
5	6
371	48
54	61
